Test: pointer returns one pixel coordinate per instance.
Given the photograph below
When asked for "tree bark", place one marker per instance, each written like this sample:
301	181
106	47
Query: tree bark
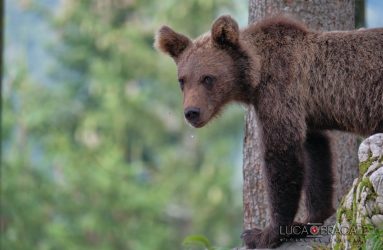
318	15
1	65
360	13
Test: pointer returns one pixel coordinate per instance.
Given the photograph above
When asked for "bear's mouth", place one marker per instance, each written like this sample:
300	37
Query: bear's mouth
205	119
197	124
200	125
200	121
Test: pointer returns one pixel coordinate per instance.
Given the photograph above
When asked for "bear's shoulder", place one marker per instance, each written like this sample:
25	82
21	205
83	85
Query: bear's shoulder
278	26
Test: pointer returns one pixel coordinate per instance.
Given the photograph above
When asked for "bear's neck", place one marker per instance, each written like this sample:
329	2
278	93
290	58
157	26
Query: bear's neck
246	67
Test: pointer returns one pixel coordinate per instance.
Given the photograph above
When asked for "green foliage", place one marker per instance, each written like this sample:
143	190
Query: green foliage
363	166
375	239
100	157
197	240
321	247
200	242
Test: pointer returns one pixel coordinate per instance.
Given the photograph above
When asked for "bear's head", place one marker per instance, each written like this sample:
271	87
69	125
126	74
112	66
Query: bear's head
214	69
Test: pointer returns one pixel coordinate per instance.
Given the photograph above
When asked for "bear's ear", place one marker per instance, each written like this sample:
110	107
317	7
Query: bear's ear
225	32
171	42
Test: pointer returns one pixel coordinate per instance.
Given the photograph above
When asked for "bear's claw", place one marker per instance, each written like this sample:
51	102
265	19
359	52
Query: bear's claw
249	236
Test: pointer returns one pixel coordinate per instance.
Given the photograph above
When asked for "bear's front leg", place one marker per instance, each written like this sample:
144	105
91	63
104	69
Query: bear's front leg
284	171
258	238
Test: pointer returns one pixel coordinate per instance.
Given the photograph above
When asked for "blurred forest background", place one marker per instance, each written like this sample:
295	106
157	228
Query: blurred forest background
96	153
95	150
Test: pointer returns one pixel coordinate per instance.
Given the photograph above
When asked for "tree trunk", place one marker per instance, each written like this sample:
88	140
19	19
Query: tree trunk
318	15
1	63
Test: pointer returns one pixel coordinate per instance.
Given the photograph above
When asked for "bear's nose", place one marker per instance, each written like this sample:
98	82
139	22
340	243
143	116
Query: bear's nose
192	114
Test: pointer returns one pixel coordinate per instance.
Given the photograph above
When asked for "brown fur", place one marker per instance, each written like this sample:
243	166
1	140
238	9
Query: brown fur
300	82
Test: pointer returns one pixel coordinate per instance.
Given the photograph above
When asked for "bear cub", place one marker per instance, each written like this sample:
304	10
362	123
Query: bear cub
301	83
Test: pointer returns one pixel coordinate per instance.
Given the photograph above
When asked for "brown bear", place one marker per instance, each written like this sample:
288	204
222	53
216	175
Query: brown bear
301	83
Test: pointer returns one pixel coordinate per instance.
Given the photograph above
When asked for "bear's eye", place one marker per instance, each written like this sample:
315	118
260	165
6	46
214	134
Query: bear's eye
182	83
208	81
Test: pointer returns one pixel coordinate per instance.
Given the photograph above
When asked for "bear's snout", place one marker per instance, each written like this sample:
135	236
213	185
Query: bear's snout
192	114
